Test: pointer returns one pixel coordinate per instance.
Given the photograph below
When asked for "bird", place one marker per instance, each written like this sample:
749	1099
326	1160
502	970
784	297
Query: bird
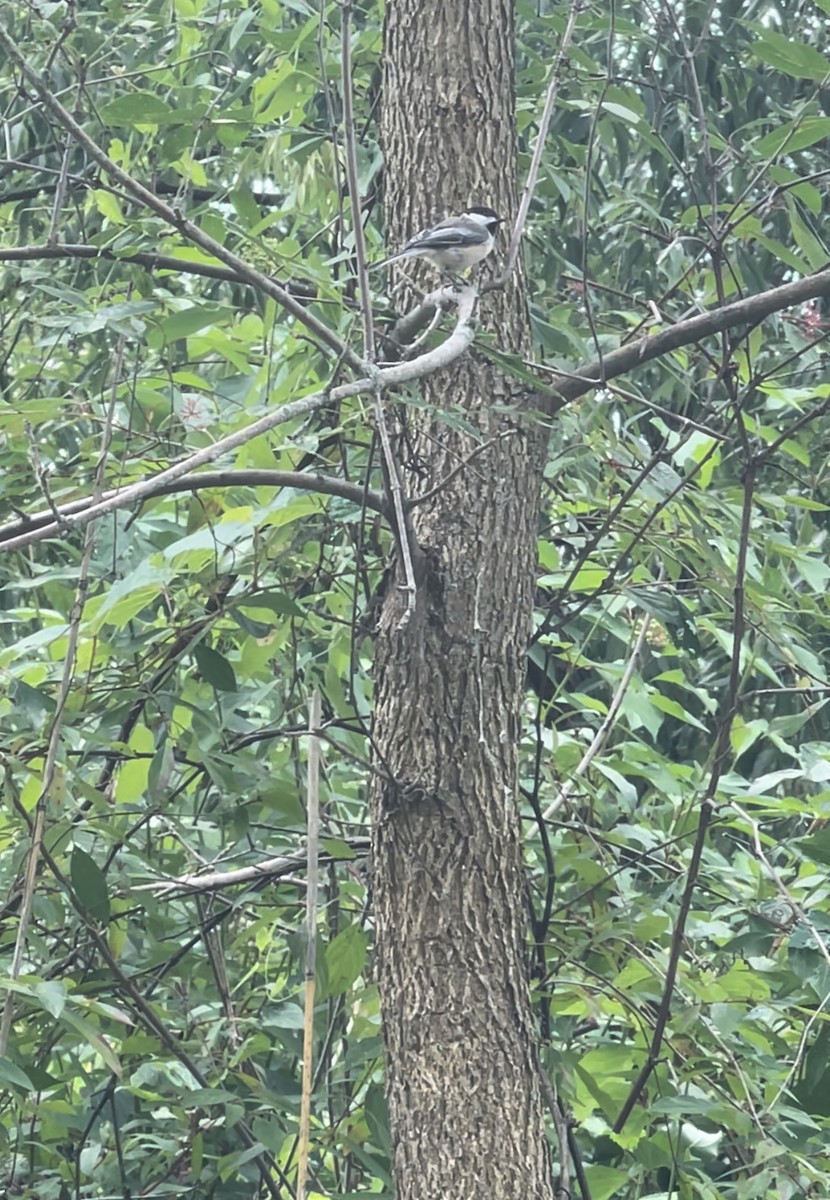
454	244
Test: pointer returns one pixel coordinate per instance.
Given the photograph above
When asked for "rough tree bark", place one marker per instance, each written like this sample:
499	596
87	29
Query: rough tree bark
463	1073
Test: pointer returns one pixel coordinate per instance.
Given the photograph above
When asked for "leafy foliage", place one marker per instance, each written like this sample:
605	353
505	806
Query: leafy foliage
682	613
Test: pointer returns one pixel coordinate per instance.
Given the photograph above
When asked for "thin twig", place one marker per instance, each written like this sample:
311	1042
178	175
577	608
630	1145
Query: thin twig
270	1169
747	311
312	852
354	186
792	429
303	291
616	390
160	186
804	920
392	473
322	27
567	386
409	550
60	193
50	766
586	189
591	544
766	202
461	465
560	1124
601	735
536	161
721	755
63	177
568	1146
402	526
680	418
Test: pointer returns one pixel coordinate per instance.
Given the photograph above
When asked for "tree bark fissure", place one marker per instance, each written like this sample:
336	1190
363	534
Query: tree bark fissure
463	1073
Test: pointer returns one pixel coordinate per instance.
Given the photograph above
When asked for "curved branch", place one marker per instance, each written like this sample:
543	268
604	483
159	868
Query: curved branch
434	360
150	261
271	868
302	480
160	186
684	333
560	391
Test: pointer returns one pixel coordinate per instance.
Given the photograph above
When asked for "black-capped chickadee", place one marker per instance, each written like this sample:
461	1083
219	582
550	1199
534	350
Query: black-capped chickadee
455	244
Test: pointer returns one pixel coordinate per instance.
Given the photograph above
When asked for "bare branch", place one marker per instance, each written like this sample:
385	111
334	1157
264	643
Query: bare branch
312	867
60	193
270	868
684	333
406	541
160	186
409	326
354	186
562	388
146	259
303	481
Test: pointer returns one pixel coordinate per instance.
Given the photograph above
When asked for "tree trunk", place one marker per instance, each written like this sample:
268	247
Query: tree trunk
463	1074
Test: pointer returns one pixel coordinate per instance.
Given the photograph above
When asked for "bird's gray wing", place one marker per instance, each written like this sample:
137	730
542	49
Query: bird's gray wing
448	238
446	235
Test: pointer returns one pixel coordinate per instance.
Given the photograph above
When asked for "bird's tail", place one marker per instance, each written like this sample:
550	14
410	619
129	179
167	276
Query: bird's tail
385	262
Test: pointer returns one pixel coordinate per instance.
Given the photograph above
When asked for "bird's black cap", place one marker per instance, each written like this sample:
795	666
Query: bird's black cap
484	211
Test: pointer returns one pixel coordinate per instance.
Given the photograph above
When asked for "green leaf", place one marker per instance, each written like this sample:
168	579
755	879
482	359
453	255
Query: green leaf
808	243
666	705
275	601
337	848
52	995
145	108
38	705
788	55
187	321
12	1075
287	1016
137	108
228	1164
129	596
89	884
620	110
108	206
245	206
605	1182
793	136
816	846
345	959
215	668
